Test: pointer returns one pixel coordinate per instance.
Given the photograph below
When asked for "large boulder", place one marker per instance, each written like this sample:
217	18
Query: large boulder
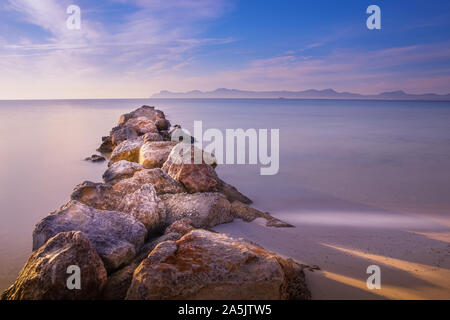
162	124
146	206
150	137
142	125
207	265
118	283
148	112
121	133
107	145
182	167
205	210
127	196
201	176
153	154
115	235
100	196
120	170
44	276
127	150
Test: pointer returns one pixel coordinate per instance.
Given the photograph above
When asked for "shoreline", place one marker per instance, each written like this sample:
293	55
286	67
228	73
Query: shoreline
414	261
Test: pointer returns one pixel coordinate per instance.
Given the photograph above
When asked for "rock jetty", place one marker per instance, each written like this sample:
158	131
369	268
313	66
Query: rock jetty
145	231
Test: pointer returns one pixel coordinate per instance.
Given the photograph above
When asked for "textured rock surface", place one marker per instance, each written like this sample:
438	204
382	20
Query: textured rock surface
127	150
44	276
181	227
95	158
127	196
121	133
207	265
205	210
118	283
162	124
148	112
106	146
115	235
145	205
149	137
154	154
98	195
199	177
121	170
142	125
195	177
247	213
162	182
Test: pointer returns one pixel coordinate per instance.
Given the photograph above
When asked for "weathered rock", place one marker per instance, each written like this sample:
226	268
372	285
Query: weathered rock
154	154
118	283
145	205
145	111
162	182
149	137
138	200
199	177
165	135
162	124
181	227
207	265
121	133
127	150
142	125
106	146
121	170
44	276
150	245
114	235
101	196
247	213
205	210
95	158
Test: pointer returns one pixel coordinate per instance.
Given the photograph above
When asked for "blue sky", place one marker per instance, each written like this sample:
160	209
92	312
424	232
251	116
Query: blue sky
134	48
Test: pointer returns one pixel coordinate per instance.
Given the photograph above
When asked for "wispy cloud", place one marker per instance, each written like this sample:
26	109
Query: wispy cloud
158	35
364	72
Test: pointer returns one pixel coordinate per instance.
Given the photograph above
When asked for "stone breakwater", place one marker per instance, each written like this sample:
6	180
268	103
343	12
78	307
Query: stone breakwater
144	232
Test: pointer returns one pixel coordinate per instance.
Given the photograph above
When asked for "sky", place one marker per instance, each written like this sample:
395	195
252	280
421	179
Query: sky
135	48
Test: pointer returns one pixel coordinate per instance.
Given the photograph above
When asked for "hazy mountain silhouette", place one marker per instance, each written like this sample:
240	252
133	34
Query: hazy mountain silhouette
306	94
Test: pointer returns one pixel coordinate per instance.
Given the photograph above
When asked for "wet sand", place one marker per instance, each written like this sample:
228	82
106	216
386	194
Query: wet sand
412	252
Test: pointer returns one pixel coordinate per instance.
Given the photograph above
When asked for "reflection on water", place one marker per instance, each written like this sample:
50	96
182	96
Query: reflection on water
387	155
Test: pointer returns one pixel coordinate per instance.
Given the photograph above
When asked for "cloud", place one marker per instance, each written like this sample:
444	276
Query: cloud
156	36
158	45
396	68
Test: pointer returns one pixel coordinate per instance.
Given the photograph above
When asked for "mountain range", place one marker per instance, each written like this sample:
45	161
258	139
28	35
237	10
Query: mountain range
306	94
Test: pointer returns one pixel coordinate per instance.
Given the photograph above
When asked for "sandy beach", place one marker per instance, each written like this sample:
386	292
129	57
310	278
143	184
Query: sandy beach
413	252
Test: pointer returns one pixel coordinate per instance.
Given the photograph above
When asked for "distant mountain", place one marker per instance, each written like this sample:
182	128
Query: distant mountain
306	94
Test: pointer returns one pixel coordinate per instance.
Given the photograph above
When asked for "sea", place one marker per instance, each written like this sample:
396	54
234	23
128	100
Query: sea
334	156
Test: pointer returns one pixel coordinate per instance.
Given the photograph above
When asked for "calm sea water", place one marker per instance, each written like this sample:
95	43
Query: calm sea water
335	156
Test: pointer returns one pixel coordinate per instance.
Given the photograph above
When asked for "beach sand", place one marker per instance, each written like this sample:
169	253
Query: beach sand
412	252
